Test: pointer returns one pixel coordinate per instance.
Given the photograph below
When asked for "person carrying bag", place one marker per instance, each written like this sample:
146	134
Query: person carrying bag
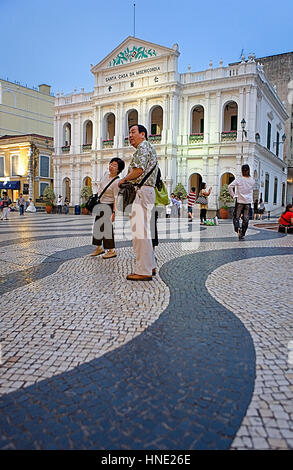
104	210
142	172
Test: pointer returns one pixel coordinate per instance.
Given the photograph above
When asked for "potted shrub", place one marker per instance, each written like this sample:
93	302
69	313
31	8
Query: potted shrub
49	198
84	209
85	193
226	198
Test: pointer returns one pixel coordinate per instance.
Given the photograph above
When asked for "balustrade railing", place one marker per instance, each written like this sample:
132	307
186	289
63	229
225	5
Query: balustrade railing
108	143
228	136
155	138
86	147
195	138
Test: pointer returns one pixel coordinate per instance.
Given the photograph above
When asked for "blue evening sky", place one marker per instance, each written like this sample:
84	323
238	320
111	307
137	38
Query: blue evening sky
55	41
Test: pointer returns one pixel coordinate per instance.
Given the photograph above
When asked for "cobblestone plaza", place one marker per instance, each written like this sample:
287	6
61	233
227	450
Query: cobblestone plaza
198	358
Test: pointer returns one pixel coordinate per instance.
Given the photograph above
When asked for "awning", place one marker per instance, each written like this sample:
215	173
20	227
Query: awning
10	185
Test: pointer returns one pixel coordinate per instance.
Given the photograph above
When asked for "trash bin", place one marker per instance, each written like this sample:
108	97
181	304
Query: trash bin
77	210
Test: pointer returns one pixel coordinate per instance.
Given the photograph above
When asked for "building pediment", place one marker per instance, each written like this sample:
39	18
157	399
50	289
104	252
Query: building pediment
133	51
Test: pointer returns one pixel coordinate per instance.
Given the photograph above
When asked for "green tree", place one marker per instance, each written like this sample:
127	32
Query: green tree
180	191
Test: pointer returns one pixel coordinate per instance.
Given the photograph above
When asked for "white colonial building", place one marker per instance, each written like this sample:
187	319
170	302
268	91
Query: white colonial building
204	125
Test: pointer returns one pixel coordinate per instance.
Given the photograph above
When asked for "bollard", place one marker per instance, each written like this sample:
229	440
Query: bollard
269	215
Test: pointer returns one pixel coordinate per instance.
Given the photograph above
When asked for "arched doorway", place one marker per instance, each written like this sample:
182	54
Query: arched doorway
87	181
283	194
67	188
195	180
227	178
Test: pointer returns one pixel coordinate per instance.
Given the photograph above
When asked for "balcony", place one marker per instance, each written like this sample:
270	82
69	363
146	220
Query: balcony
228	136
195	138
107	144
65	149
155	138
86	147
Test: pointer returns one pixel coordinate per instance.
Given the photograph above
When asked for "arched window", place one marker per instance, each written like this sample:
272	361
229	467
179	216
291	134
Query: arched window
88	132
197	124
267	187
67	134
87	136
230	121
109	130
156	121
131	120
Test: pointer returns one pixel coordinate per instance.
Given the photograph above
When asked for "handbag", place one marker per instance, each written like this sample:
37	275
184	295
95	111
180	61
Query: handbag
96	199
201	200
162	197
126	196
127	193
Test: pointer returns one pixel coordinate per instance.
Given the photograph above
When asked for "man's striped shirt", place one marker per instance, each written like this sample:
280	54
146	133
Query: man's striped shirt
191	199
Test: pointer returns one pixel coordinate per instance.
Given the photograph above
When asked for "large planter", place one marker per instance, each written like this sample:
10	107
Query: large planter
48	209
85	211
224	213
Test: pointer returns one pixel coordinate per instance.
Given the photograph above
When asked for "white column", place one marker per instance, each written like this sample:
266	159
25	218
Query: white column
241	113
251	115
144	114
78	182
99	127
205	172
95	124
140	111
121	125
58	139
206	138
165	120
238	165
72	178
55	176
171	119
117	125
180	123
186	121
219	120
59	176
184	172
216	190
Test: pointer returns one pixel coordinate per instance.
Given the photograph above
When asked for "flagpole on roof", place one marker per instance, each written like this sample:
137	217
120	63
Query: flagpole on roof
134	19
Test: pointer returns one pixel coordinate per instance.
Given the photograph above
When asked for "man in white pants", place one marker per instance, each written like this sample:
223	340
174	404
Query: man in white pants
144	159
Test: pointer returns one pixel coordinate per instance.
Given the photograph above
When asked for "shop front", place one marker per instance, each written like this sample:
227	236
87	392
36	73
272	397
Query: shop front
12	188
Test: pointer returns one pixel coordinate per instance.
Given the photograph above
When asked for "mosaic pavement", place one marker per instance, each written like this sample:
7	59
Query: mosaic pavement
196	359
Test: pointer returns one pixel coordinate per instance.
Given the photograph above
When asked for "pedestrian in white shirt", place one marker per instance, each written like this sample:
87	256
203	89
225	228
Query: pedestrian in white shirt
243	194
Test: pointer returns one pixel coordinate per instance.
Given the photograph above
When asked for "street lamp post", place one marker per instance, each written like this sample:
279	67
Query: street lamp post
243	124
279	143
